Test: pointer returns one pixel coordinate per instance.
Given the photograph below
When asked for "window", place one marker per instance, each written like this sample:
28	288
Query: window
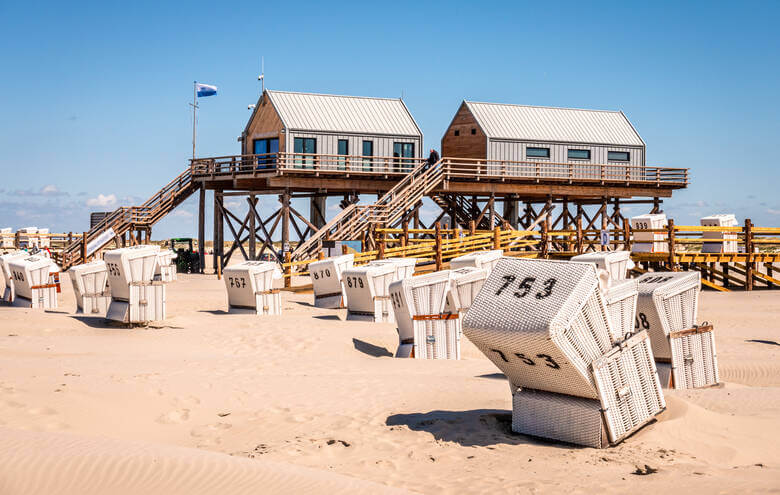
368	150
457	132
405	151
618	156
267	147
578	154
304	146
343	150
537	152
473	130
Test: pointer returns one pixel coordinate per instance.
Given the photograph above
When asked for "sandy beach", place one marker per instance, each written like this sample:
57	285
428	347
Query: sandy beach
210	402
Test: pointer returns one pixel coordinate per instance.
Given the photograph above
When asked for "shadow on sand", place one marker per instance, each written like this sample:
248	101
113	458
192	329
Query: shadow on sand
759	341
106	324
475	428
328	317
213	311
371	349
493	376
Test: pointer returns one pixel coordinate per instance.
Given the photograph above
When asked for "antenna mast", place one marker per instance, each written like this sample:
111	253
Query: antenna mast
262	75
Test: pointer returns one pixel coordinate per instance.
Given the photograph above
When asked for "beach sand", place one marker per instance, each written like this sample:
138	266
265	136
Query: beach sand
210	402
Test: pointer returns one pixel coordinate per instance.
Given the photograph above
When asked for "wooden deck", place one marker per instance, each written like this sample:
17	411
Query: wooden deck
463	176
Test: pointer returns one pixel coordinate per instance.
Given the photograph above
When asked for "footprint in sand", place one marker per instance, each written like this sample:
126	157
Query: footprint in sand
174	417
209	435
42	411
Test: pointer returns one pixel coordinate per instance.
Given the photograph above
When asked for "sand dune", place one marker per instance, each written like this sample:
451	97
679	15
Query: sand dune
57	463
237	401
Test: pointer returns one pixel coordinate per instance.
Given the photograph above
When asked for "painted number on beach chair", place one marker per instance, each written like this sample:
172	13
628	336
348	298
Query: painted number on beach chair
113	269
655	280
18	276
641	321
354	282
395	297
548	360
321	273
526	286
237	282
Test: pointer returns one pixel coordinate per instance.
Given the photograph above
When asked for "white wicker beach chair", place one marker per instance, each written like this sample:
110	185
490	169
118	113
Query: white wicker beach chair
90	285
250	288
614	262
629	396
621	300
135	296
404	267
36	282
8	291
326	280
424	321
166	269
694	362
367	289
466	284
649	242
542	323
480	259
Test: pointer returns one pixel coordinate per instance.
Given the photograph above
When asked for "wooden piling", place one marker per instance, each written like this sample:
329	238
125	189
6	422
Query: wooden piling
748	254
438	255
671	239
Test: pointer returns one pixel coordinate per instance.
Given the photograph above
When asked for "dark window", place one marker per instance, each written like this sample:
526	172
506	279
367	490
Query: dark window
473	130
618	156
579	154
457	132
405	151
305	146
267	147
537	152
368	150
343	149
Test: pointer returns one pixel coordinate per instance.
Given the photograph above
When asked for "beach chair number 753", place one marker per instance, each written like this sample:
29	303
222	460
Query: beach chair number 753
526	286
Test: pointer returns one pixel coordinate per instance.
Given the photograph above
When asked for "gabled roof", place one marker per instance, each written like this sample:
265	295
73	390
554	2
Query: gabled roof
349	114
568	125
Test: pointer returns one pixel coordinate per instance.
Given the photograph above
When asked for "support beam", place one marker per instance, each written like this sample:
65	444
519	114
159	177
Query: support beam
202	228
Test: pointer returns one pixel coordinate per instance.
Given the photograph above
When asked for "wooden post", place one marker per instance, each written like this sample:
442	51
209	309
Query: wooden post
768	267
438	259
604	226
724	267
579	234
321	255
287	270
252	227
545	229
626	234
670	230
472	227
219	267
219	232
381	245
286	222
344	249
202	227
497	238
749	254
84	247
405	235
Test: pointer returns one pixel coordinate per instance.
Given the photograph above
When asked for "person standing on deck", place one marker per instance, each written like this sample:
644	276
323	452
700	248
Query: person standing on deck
432	158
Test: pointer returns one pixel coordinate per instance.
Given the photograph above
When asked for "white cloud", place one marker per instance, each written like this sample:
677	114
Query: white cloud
773	212
102	200
50	190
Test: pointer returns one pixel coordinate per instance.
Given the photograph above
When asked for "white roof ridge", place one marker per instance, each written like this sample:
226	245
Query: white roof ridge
470	102
386	98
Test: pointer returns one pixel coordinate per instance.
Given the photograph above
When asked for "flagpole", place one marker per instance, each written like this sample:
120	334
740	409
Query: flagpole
194	113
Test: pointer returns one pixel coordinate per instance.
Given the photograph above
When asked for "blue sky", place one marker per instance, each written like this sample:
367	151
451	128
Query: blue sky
94	107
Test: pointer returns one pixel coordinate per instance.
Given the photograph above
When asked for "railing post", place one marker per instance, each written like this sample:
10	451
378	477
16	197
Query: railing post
83	247
748	254
545	229
437	236
670	234
287	270
579	235
497	238
626	234
380	241
321	255
344	249
472	227
405	235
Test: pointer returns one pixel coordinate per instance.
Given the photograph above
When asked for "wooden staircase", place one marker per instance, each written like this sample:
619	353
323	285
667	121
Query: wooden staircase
359	221
125	219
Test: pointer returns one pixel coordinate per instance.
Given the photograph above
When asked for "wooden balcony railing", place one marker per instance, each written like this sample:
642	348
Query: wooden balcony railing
452	168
